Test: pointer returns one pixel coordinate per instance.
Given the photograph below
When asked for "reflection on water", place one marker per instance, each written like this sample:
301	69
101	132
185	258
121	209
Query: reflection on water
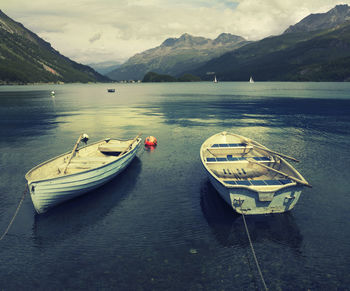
72	217
228	226
26	114
243	111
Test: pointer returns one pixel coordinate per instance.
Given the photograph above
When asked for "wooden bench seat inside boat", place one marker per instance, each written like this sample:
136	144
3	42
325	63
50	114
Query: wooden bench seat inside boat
230	148
112	148
239	173
228	145
230	158
259	182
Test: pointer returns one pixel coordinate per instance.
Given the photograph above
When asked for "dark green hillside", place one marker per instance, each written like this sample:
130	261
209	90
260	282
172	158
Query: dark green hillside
154	77
157	78
26	58
188	78
308	56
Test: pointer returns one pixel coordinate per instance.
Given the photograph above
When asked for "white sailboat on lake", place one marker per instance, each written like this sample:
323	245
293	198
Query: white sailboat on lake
251	80
215	80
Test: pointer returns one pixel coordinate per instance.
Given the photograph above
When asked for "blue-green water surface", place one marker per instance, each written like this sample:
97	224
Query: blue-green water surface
160	225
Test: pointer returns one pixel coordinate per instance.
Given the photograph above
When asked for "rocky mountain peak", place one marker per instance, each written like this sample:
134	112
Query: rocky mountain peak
190	40
185	36
169	42
228	38
340	9
185	40
334	17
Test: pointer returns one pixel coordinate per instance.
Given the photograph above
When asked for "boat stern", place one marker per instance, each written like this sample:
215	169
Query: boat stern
248	202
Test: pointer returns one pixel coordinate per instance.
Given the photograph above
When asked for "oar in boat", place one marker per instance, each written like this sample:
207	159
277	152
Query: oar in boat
211	153
81	137
270	151
130	144
281	173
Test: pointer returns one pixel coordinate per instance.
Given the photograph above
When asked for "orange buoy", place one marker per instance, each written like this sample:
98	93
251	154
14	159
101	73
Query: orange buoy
150	141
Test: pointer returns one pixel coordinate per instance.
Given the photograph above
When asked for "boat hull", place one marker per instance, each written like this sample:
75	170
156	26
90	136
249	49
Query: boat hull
230	163
49	193
245	201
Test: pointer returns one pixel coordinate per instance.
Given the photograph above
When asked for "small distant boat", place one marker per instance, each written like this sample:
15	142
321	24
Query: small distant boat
251	80
215	80
75	173
52	93
111	90
251	178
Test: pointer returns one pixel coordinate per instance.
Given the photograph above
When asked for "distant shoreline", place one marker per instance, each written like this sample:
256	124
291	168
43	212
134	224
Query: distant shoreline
51	83
164	82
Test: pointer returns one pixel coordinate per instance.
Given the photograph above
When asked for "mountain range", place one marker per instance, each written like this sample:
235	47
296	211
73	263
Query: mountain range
308	51
315	49
26	58
176	55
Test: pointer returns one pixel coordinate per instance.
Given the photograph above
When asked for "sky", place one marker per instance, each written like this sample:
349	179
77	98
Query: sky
95	31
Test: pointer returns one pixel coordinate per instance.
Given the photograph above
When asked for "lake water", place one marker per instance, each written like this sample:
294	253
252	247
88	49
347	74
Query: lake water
160	225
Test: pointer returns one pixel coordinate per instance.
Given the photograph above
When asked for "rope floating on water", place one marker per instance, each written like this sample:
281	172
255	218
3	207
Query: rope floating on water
255	259
16	212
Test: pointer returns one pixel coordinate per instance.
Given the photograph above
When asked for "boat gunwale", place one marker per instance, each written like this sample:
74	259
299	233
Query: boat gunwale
84	171
273	188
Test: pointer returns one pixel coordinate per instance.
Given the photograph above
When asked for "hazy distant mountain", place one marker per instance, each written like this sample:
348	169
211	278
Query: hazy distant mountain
105	67
336	16
322	55
26	58
176	55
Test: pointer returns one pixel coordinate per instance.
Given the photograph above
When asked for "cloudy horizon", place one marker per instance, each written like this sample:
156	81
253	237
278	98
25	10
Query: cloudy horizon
90	31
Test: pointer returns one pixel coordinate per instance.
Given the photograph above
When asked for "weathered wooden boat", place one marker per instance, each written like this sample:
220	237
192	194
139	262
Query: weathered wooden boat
75	173
250	177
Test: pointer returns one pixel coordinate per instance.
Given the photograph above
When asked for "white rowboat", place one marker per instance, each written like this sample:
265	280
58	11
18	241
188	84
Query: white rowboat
250	177
75	173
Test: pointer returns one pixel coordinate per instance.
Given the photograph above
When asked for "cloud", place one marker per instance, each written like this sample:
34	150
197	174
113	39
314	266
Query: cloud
91	31
264	18
96	37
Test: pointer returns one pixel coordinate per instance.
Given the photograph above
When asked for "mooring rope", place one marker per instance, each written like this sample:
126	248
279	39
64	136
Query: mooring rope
251	269
255	259
16	212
